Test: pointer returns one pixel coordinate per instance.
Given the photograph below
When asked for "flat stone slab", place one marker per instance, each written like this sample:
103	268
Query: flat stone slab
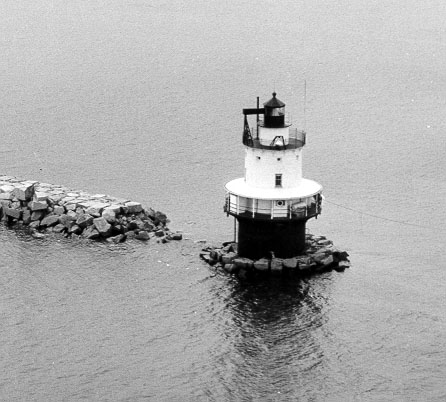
133	207
37	206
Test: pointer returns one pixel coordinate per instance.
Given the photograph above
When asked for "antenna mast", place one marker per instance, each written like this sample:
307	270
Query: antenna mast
305	105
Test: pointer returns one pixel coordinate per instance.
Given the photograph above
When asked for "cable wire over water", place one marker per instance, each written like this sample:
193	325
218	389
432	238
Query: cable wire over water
381	217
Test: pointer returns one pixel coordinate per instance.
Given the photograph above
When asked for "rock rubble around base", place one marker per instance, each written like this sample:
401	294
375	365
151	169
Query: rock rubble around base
44	208
320	256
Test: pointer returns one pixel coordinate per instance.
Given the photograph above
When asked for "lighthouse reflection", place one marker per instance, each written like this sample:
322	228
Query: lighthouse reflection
272	330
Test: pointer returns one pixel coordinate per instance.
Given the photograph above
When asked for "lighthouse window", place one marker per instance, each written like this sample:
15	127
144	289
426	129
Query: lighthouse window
278	180
279	159
258	157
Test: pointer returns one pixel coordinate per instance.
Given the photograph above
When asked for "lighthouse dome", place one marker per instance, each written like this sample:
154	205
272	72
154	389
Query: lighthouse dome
274	103
274	112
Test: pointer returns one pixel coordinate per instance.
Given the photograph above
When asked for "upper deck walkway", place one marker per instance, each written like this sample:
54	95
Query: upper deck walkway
295	140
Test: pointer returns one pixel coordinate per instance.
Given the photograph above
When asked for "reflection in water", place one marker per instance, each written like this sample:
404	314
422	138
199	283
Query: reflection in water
271	329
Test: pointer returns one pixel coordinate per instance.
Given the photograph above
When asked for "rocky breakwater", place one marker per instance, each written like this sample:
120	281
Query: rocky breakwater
45	208
320	256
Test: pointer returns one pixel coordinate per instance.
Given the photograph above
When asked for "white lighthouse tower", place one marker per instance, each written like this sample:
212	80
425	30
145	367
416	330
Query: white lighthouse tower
273	201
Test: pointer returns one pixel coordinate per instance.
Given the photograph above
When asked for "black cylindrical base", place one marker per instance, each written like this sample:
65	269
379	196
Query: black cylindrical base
258	238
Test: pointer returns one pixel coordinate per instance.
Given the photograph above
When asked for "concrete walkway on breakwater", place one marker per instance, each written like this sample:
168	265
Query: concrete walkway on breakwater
47	208
320	256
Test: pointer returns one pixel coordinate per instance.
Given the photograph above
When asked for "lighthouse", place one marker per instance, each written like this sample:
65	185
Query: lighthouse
272	202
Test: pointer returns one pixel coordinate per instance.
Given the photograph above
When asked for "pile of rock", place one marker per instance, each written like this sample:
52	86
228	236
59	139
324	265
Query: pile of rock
320	256
47	208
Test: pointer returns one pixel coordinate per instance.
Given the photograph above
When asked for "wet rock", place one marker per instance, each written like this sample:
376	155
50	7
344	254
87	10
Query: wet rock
341	266
324	242
75	229
228	258
216	254
84	220
318	257
305	268
207	258
141	225
59	228
290	263
176	236
132	225
118	239
325	265
150	226
12	213
231	268
160	217
159	233
130	234
262	265
91	233
102	226
276	265
37	235
339	255
243	273
233	247
66	220
142	235
49	220
26	216
34	225
242	262
118	229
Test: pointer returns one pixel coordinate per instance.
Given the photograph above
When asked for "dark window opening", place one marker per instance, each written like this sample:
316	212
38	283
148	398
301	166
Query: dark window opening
278	180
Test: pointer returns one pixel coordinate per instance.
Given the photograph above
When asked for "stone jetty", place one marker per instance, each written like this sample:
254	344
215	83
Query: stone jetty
46	208
320	256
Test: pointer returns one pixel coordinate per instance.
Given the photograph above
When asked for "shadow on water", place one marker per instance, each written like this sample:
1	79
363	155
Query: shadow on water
272	331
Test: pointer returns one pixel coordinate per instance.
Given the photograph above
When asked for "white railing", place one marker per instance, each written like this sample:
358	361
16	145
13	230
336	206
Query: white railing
288	209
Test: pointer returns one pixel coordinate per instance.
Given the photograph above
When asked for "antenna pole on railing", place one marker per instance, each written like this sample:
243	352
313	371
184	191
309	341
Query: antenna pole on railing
305	105
257	125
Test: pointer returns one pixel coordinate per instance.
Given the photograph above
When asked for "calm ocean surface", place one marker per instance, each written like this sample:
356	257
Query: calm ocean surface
142	99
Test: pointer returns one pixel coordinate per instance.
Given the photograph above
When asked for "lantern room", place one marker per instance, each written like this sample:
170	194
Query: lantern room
274	113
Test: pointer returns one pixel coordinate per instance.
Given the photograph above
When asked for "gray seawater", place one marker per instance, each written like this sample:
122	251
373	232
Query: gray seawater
143	100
